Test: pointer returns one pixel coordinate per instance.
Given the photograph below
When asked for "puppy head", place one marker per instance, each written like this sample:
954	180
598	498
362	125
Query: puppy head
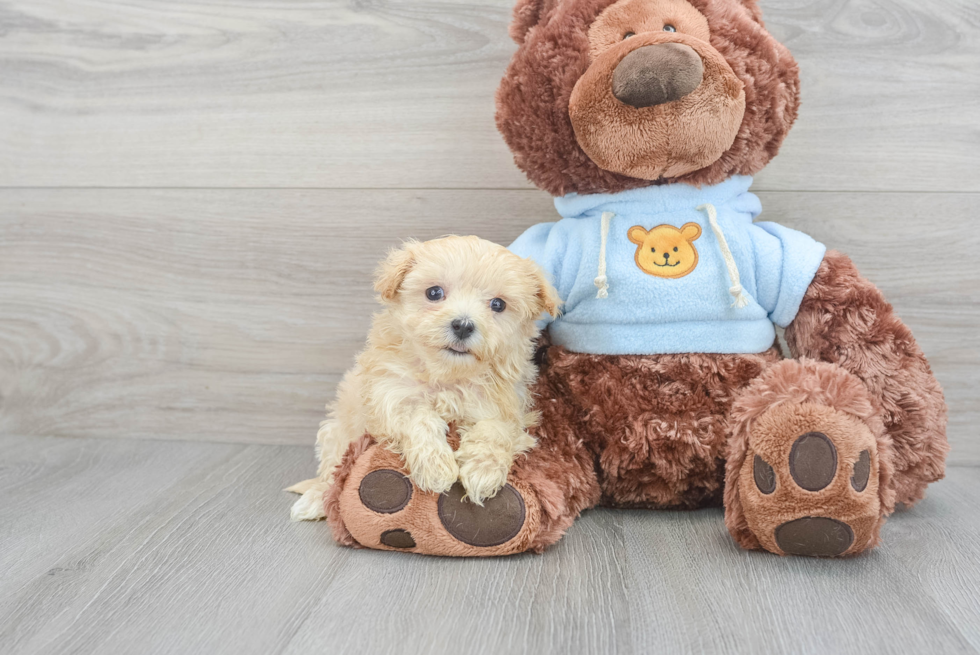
466	305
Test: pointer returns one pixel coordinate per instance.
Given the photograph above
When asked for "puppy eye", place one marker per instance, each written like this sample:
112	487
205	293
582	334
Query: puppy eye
498	305
435	293
628	35
669	28
675	249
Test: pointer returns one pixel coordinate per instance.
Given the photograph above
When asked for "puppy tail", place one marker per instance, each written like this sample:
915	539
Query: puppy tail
309	507
302	487
329	451
331	444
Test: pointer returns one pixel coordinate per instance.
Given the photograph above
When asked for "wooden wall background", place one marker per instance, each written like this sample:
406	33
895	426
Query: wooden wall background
193	193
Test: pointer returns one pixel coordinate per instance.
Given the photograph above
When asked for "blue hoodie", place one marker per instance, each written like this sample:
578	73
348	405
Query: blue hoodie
638	278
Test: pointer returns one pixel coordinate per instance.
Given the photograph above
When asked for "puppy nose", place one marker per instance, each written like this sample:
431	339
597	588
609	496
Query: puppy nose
462	328
655	74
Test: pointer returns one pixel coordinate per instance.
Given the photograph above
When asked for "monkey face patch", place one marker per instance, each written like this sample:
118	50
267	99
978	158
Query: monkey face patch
666	251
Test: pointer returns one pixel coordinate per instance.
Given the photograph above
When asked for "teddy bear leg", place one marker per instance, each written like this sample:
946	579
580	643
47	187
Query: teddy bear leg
846	320
373	503
809	465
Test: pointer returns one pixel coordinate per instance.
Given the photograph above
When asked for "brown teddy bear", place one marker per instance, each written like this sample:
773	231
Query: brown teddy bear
663	385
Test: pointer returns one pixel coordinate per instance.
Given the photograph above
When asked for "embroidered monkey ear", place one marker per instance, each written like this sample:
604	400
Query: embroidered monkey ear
691	231
392	271
637	234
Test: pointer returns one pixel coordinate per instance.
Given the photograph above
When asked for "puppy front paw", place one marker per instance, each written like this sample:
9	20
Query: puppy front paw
482	470
432	466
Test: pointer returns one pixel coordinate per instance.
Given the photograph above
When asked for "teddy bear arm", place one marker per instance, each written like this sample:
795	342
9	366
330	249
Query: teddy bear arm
844	319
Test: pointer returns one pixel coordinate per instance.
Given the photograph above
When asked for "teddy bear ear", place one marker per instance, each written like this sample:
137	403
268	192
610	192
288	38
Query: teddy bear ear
392	271
637	234
754	10
690	231
527	14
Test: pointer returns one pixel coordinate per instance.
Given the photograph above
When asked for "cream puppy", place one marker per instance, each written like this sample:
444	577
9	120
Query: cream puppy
454	344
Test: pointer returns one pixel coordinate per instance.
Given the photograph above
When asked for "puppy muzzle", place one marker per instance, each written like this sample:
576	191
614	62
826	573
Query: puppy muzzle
462	328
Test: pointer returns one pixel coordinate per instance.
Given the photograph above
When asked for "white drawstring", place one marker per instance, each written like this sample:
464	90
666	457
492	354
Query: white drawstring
741	299
601	281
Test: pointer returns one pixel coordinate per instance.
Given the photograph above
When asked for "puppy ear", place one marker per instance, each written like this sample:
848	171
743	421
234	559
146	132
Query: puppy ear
547	296
637	234
551	302
392	271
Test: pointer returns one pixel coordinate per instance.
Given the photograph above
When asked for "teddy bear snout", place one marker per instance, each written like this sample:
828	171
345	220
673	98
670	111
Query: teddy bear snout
657	74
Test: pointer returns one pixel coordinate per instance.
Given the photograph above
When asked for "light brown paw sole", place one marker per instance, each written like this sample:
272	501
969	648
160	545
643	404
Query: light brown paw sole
382	509
809	484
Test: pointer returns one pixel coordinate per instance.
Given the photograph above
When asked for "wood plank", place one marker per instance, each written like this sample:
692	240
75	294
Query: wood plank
898	598
571	601
154	547
163	547
230	315
399	93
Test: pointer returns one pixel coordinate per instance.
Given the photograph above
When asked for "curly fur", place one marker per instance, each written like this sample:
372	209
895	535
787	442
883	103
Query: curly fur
558	472
554	54
331	496
414	377
845	319
656	425
792	382
656	431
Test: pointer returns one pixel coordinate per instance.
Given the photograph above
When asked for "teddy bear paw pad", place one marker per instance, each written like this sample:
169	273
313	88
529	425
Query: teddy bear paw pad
397	538
385	491
499	520
813	461
811	491
816	536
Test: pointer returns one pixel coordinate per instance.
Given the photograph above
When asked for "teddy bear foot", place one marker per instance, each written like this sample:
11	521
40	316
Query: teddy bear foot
811	464
375	505
817	498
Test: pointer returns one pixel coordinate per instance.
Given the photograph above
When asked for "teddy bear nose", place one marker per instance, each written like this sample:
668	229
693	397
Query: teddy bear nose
462	328
666	255
655	74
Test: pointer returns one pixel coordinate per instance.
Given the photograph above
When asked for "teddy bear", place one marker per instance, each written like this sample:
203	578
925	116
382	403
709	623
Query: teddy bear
663	384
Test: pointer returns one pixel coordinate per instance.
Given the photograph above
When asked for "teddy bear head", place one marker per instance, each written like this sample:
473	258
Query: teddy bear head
666	251
608	95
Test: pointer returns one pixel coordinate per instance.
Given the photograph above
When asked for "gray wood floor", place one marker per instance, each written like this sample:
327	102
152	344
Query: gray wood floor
125	546
192	197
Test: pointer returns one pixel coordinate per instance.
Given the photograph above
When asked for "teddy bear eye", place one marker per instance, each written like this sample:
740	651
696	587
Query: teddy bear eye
669	28
498	305
653	250
628	35
435	293
675	249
